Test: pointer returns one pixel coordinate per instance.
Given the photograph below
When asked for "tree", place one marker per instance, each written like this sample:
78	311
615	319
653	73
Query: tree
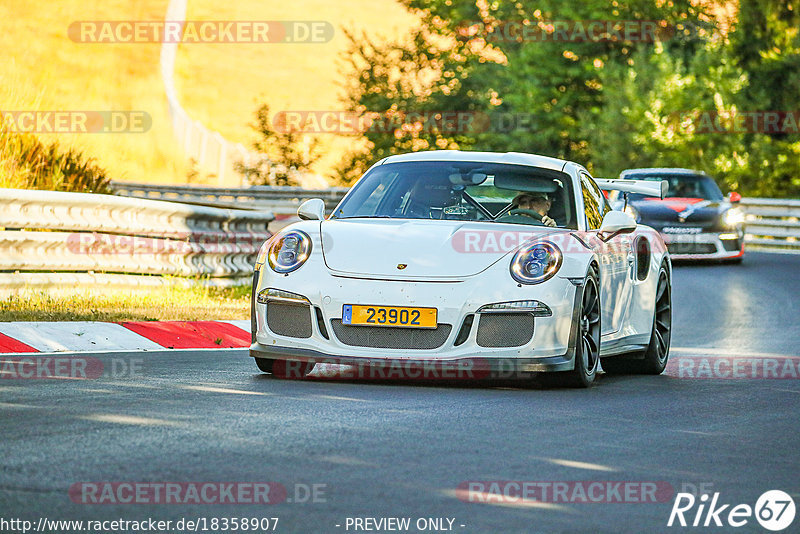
282	156
609	104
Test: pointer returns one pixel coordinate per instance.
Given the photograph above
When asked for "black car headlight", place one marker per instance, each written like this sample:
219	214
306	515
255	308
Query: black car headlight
533	264
289	251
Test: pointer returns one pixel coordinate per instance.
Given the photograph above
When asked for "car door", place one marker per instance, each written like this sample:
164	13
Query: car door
615	257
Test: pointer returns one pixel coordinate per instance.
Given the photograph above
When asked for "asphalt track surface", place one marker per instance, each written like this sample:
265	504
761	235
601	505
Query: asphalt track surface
400	449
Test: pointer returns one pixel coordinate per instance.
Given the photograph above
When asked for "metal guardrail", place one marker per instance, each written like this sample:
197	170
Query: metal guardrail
772	224
115	241
50	238
280	200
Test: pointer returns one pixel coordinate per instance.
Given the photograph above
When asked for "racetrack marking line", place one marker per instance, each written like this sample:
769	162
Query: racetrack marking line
697	432
210	389
579	465
14	405
335	397
128	420
515	504
512	504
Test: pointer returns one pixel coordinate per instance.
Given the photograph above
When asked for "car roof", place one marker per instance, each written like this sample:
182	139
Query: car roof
660	170
514	158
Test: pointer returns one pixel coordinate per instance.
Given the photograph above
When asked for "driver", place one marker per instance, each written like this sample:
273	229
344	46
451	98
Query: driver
535	202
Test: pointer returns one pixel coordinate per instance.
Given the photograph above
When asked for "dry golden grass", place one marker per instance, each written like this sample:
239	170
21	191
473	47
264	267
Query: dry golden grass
167	304
220	84
42	69
285	76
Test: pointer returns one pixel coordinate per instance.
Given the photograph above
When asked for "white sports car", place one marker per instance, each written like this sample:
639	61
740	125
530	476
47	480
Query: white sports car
466	264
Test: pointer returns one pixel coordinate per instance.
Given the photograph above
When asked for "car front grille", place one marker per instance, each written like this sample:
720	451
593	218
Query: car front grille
383	337
504	329
692	248
290	320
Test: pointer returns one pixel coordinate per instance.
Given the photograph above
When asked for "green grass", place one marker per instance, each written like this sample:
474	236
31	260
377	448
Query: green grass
167	304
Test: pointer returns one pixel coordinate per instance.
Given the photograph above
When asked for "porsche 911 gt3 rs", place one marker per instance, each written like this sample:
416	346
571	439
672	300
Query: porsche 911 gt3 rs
696	221
432	259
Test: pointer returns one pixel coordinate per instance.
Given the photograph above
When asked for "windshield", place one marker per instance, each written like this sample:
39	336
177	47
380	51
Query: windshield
683	186
465	191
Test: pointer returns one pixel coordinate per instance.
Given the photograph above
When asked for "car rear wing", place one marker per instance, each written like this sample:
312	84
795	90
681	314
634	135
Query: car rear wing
643	187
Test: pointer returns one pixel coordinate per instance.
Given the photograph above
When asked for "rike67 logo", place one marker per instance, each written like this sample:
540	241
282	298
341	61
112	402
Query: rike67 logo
774	510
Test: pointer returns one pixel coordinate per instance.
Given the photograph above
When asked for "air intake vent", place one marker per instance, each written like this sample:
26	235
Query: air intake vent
391	338
289	320
466	327
321	323
504	329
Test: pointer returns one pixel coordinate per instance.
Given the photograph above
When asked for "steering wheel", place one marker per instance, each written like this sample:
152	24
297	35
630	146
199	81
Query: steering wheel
527	213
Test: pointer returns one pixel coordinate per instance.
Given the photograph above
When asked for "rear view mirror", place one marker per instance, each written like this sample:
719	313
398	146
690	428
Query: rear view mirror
312	209
471	179
617	222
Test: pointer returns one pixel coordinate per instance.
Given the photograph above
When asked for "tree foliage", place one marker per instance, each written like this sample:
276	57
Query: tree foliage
283	153
608	104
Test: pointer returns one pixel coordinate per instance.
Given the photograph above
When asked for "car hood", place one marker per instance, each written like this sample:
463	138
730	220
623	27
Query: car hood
411	249
672	209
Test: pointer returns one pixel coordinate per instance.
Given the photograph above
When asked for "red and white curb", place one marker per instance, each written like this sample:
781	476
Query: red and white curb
138	336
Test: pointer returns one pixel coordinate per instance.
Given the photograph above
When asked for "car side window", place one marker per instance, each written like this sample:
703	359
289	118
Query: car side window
594	203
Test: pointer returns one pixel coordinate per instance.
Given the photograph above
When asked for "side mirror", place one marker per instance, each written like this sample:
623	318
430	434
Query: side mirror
312	209
734	197
617	222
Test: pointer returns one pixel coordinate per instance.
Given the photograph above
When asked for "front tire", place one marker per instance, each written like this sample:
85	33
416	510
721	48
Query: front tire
587	346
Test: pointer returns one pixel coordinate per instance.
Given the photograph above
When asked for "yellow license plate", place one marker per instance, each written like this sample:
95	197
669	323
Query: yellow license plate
397	316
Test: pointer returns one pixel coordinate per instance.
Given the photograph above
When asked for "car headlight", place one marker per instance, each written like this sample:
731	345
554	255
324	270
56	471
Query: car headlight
633	212
289	251
536	263
734	217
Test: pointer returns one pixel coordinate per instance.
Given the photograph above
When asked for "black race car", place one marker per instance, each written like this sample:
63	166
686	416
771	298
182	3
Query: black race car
695	219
